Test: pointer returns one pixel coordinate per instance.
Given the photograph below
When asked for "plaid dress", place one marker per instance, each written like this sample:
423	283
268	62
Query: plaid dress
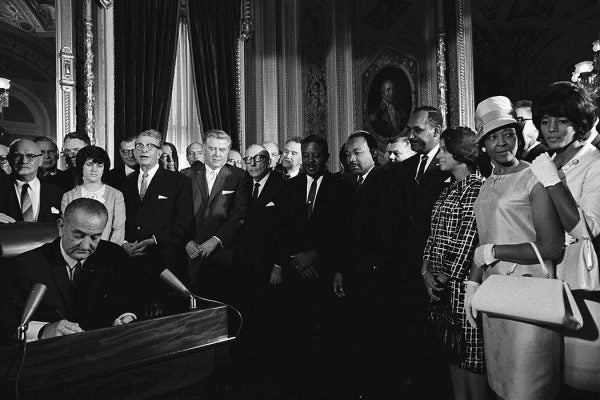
449	250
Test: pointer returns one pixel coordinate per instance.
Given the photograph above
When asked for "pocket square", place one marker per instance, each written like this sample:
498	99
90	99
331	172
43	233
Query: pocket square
54	210
448	180
228	191
161	197
270	204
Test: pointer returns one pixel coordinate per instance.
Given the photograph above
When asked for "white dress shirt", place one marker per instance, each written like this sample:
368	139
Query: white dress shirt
151	174
430	157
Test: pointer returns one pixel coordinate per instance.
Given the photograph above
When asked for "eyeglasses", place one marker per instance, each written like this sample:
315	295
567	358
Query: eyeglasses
50	153
126	152
146	147
522	120
3	160
26	157
257	159
70	152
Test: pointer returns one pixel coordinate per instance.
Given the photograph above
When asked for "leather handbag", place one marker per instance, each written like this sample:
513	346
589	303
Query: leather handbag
537	300
585	275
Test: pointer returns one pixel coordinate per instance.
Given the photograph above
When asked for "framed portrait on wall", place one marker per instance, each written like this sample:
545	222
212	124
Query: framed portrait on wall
389	102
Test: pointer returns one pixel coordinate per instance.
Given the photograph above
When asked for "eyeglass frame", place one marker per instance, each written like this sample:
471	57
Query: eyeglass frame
126	152
145	147
248	160
521	120
27	158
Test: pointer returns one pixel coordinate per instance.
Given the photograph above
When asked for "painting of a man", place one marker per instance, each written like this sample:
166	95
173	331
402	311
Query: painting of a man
390	103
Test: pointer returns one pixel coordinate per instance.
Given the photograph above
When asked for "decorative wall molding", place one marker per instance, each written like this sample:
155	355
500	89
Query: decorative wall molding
89	79
441	62
106	3
65	72
464	56
104	88
429	83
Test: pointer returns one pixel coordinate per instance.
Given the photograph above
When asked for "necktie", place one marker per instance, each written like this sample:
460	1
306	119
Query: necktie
360	180
26	206
421	170
211	179
286	176
255	191
144	185
310	201
76	273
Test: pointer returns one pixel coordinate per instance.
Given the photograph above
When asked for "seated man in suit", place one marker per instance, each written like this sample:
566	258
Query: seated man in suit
81	273
118	175
158	208
311	215
28	198
72	143
220	193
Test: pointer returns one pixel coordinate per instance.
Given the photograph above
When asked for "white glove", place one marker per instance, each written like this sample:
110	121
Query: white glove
484	255
544	169
470	311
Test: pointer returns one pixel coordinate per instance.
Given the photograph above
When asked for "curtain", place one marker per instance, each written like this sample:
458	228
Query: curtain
214	28
184	125
145	48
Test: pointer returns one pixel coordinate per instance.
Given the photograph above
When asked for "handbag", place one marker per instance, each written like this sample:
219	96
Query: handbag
528	299
585	274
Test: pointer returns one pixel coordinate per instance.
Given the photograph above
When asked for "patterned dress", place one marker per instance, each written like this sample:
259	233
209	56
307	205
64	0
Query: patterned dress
449	250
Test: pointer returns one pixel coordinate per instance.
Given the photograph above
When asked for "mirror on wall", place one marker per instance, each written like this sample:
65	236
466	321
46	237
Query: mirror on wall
27	59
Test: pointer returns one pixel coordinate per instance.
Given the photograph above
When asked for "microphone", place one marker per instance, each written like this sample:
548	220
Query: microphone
33	301
170	279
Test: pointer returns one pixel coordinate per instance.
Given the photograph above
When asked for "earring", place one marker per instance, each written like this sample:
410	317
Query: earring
483	149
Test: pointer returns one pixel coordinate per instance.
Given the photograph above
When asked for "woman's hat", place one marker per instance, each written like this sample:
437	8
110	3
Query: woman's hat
493	113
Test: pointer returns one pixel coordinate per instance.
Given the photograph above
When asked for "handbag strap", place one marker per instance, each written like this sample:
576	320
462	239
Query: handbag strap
540	259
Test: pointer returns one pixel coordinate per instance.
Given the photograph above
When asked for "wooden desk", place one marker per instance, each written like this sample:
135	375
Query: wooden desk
135	361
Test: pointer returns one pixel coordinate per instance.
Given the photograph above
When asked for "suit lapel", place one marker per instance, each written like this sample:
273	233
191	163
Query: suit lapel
132	187
14	201
59	272
154	183
218	185
200	187
265	194
44	206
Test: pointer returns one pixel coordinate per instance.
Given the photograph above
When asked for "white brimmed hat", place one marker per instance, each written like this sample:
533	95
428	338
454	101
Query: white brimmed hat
493	113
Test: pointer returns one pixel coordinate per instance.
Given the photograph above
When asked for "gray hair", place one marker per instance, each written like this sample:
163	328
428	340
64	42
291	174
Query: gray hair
153	134
89	206
217	134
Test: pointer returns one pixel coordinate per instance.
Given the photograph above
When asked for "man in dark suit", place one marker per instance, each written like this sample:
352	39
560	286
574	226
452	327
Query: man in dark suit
28	198
80	272
220	194
117	177
311	214
73	142
371	277
50	156
532	146
424	182
158	206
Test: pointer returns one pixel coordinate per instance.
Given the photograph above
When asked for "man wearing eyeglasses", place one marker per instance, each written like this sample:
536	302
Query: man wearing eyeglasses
4	165
533	147
72	143
29	199
118	175
158	206
220	193
50	157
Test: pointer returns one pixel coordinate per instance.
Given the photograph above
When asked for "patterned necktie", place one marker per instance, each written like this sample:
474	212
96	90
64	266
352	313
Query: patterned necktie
310	201
144	185
421	170
255	192
26	206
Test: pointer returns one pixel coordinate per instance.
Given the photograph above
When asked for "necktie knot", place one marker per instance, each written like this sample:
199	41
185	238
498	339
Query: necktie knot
361	180
255	191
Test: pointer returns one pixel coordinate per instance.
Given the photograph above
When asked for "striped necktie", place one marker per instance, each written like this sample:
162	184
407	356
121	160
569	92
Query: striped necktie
26	205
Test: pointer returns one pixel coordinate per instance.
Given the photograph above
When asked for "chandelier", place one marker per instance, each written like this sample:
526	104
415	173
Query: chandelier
4	92
587	73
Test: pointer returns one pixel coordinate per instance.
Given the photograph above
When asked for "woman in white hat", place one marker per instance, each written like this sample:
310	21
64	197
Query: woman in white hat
512	210
564	113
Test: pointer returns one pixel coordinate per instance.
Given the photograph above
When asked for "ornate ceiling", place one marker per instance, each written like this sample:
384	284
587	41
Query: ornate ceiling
31	16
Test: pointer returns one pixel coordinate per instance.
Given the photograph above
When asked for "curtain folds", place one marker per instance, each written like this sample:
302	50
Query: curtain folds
184	124
145	50
214	29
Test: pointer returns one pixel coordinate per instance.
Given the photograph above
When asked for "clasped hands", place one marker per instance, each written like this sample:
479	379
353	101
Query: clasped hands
138	249
195	250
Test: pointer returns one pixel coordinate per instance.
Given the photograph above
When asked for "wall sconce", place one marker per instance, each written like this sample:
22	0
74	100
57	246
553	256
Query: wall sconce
4	92
587	73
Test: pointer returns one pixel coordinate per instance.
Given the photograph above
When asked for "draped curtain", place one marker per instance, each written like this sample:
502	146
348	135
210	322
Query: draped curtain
214	28
184	125
145	49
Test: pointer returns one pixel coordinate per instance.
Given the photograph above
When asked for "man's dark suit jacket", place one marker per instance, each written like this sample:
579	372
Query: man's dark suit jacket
116	178
536	151
50	197
219	214
422	198
165	212
66	179
323	232
257	234
96	302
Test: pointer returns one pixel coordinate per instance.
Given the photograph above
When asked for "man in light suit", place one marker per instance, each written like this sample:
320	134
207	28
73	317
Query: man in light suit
158	205
220	199
82	275
28	198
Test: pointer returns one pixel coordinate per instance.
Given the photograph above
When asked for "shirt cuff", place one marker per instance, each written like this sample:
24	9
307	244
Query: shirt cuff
277	266
33	330
219	240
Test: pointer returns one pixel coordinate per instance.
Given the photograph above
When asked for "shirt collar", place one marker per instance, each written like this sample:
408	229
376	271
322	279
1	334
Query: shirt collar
263	181
34	184
128	170
310	179
432	152
364	176
208	169
69	260
151	172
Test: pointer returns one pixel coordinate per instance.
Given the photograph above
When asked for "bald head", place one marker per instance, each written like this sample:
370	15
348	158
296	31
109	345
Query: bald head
25	159
194	152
